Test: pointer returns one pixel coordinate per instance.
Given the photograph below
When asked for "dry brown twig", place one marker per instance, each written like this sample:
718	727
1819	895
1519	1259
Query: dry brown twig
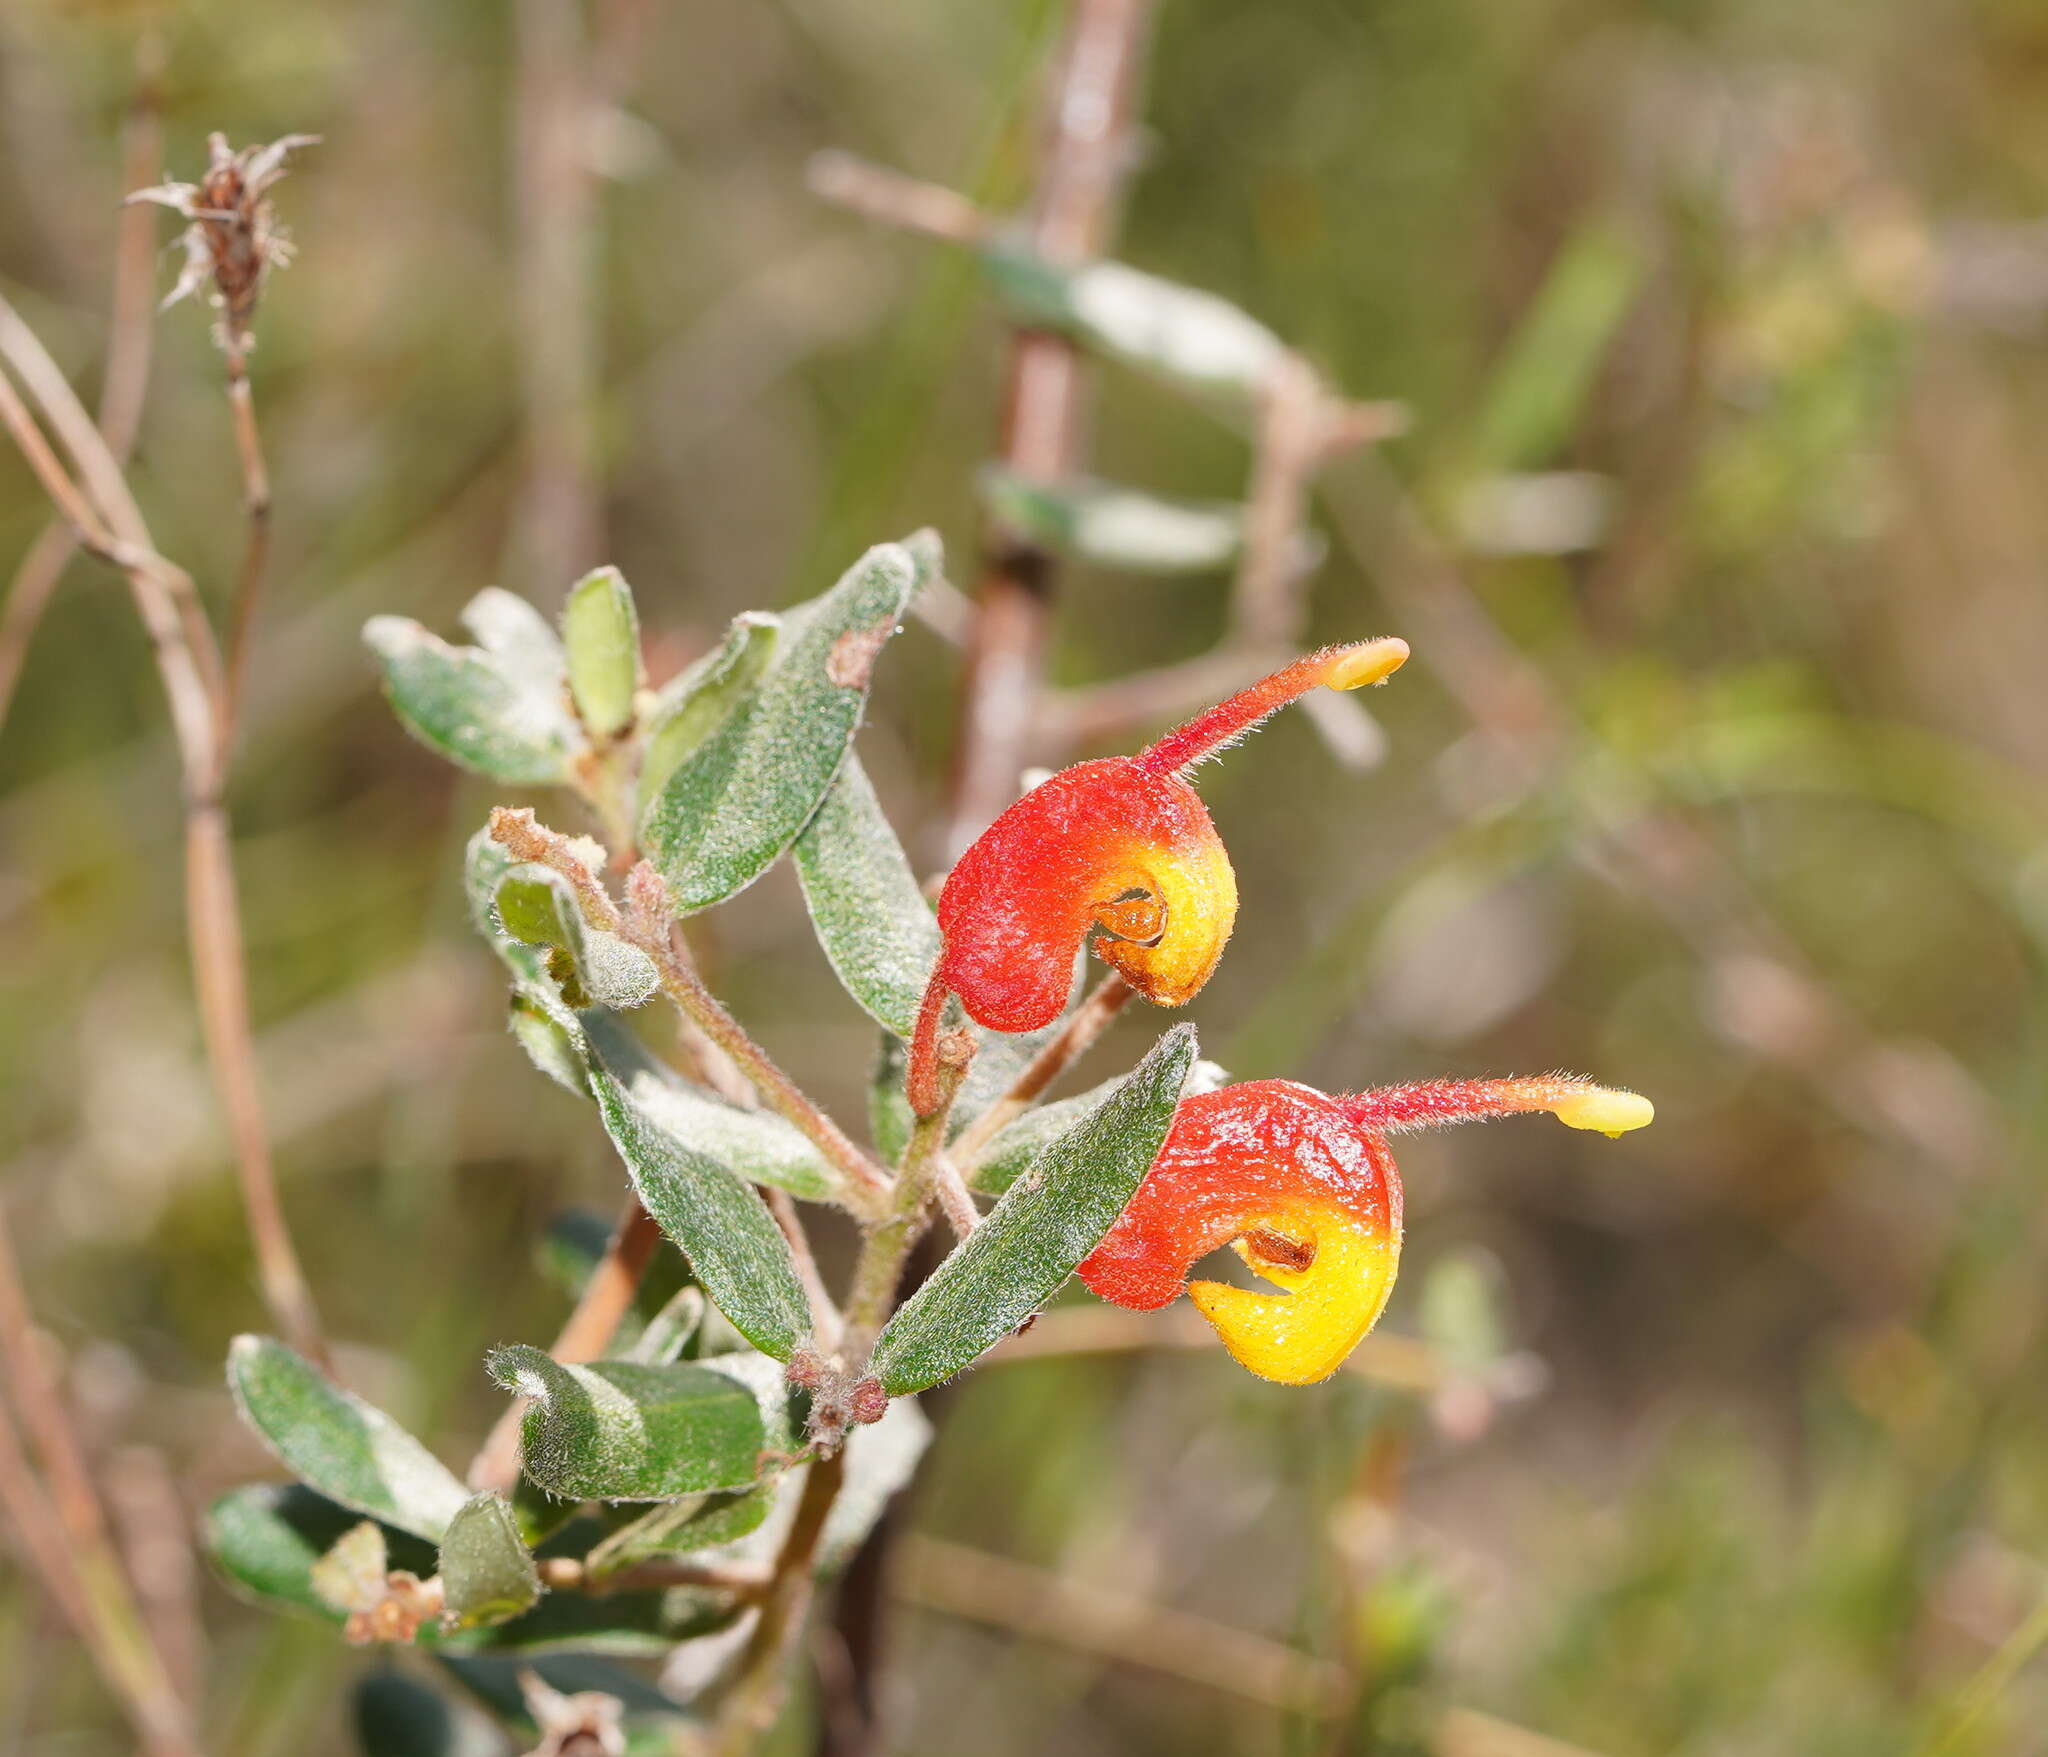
1047	1607
63	1533
130	335
154	1531
1301	424
108	523
560	533
1083	158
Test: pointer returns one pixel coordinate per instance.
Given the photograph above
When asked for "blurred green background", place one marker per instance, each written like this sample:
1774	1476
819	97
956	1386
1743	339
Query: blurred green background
1721	536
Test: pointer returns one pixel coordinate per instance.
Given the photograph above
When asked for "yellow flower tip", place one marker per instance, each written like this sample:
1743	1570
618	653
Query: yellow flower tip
1369	662
1303	1335
1607	1113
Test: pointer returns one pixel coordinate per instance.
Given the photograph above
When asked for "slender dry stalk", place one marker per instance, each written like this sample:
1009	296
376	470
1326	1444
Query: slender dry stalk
1097	713
154	1534
896	200
1084	154
255	542
561	528
1042	1606
91	1592
131	336
44	1412
1266	607
107	521
101	1596
588	1331
570	1574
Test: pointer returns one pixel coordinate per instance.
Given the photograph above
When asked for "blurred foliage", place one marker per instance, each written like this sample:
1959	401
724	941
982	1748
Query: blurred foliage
1750	298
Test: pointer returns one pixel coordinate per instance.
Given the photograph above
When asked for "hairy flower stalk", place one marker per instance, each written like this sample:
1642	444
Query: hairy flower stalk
1304	1187
1122	848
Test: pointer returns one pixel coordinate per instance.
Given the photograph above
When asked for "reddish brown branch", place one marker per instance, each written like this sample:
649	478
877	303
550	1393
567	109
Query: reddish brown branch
104	516
1083	157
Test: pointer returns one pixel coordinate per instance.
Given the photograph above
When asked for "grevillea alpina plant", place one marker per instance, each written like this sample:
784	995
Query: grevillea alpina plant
689	1463
714	1430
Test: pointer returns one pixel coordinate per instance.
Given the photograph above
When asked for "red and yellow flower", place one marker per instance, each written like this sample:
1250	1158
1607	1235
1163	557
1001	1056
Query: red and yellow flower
1305	1188
1122	848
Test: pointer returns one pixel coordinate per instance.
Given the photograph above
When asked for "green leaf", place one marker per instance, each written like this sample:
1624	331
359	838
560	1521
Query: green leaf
601	636
737	801
1189	338
486	1569
1049	1220
1113	526
354	1573
537	905
621	1431
880	1460
535	908
673	1328
548	1045
889	1118
268	1538
496	709
521	643
756	1145
1005	1158
676	1529
336	1443
544	1024
691	705
736	1250
872	919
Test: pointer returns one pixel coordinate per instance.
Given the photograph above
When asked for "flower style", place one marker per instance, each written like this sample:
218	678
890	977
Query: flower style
1123	845
1304	1187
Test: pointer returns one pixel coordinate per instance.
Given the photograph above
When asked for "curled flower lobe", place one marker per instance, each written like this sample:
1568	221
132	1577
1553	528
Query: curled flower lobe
1312	1202
1105	845
1306	1190
1122	846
